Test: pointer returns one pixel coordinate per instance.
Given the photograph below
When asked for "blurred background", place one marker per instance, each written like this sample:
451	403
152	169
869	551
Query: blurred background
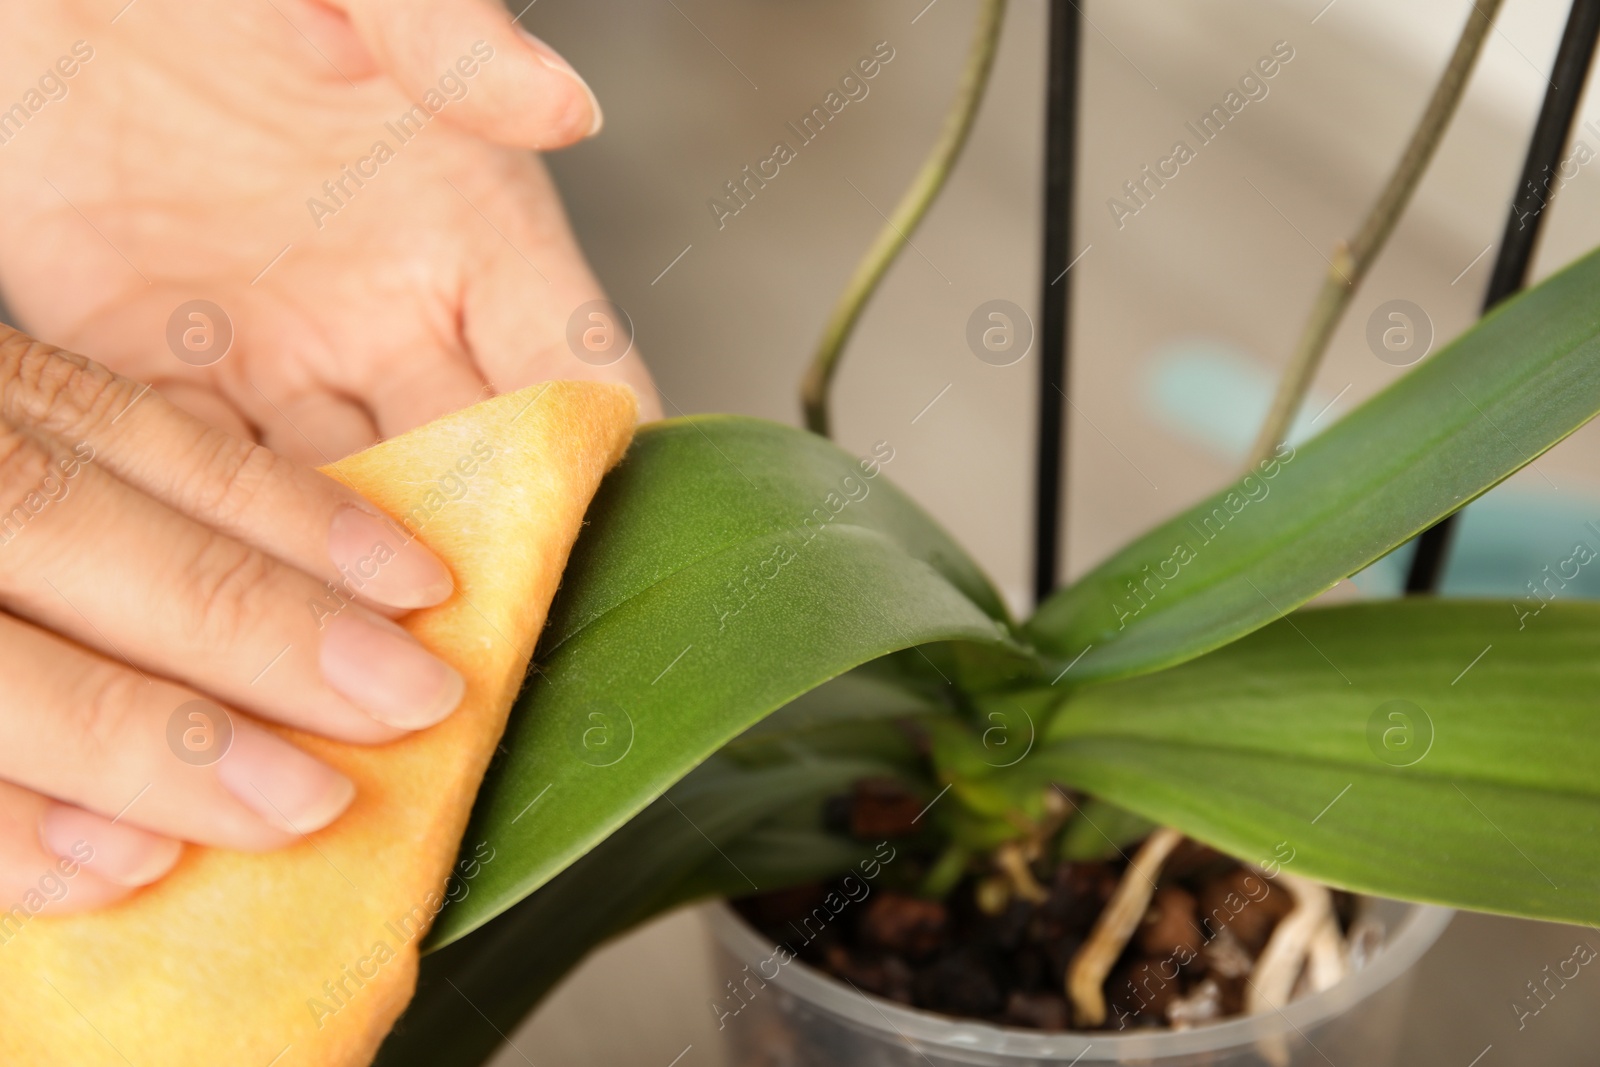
1183	313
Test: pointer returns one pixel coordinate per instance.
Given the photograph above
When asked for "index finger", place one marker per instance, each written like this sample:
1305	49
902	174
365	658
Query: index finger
296	514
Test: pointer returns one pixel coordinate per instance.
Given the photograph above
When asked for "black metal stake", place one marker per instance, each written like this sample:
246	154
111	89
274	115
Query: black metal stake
1055	302
1528	207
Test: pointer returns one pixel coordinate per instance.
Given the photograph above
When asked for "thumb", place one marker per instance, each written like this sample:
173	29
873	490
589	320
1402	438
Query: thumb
485	73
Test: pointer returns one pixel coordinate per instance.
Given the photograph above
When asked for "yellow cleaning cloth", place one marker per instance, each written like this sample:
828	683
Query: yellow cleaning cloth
305	956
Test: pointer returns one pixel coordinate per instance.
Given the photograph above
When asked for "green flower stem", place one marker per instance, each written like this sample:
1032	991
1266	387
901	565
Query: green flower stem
1351	261
814	389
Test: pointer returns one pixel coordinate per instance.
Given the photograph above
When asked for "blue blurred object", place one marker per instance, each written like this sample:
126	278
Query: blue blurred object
1511	541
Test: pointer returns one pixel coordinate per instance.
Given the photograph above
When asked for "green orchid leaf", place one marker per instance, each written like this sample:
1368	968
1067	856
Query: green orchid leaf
751	815
731	565
1099	830
1521	380
693	488
1438	751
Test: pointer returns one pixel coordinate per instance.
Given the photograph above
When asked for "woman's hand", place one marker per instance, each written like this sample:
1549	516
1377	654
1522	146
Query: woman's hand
230	153
153	568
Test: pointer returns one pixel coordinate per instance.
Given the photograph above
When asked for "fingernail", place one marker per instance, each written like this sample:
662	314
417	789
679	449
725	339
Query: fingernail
552	59
122	855
376	559
283	785
384	671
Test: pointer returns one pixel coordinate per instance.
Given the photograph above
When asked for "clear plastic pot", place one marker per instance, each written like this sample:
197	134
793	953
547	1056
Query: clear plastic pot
791	1015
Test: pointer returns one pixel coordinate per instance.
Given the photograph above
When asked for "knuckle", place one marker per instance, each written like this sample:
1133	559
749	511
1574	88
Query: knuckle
234	478
230	584
108	710
28	479
59	392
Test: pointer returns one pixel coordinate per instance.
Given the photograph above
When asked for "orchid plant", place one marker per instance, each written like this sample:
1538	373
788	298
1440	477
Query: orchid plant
755	620
753	614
